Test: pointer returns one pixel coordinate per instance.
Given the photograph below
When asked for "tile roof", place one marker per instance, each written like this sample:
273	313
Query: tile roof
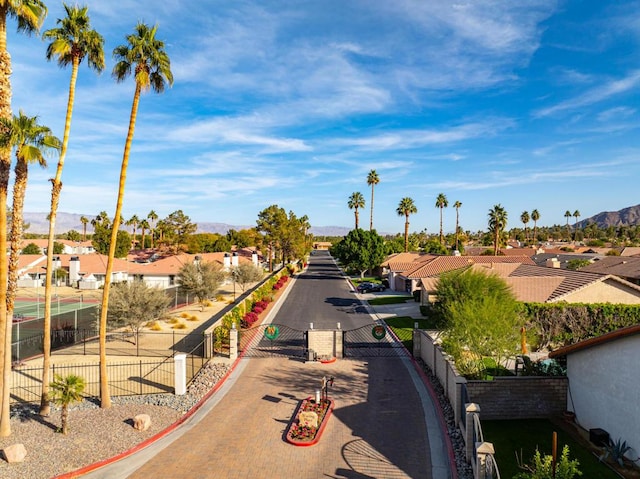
626	267
630	251
436	265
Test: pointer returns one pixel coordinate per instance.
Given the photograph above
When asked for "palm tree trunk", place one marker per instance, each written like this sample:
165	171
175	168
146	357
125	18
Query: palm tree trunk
441	235
356	213
406	234
56	188
64	418
371	216
457	228
105	398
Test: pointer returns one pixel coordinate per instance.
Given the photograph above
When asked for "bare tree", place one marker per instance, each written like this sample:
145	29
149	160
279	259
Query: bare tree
246	273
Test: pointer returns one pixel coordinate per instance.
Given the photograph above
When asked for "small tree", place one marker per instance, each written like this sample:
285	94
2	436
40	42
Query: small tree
135	304
200	279
542	467
65	391
31	248
246	273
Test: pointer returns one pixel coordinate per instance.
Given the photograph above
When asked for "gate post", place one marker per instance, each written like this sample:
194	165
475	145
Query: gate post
339	342
233	342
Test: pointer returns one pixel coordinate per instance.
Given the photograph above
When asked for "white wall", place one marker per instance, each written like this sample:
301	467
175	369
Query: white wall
605	388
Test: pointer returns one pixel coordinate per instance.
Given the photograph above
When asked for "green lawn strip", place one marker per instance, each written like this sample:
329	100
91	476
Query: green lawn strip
402	326
381	300
367	279
515	436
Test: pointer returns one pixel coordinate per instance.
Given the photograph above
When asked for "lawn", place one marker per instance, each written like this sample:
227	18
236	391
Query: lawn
523	436
402	326
381	300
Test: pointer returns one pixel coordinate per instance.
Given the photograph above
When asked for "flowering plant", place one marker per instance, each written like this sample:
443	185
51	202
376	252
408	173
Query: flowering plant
299	433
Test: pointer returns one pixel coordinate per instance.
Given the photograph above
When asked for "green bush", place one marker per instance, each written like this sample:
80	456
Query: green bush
542	467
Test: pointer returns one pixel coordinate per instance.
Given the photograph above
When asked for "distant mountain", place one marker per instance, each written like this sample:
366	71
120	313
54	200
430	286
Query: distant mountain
38	224
625	217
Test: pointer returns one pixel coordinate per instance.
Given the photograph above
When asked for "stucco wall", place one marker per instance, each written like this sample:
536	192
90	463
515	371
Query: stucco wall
605	389
605	292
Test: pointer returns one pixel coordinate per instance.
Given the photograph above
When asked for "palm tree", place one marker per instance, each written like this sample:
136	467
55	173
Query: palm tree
497	223
71	42
144	226
152	216
84	220
535	216
145	56
405	208
576	215
133	221
524	217
66	390
441	202
31	141
30	14
567	214
372	180
356	200
457	205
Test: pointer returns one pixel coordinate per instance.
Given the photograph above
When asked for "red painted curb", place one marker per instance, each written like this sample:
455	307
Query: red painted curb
328	361
319	432
97	465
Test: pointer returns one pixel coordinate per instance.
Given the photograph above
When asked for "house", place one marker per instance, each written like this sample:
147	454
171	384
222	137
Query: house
623	266
603	384
68	247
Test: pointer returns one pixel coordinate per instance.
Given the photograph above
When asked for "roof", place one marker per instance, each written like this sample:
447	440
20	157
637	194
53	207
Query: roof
94	263
626	267
433	265
630	251
597	341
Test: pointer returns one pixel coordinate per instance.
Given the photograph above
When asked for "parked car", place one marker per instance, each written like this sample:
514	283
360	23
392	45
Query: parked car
367	287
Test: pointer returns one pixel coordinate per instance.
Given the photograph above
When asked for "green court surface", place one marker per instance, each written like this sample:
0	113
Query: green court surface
31	308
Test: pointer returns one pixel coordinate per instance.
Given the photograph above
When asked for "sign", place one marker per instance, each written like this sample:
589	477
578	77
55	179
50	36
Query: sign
271	332
378	332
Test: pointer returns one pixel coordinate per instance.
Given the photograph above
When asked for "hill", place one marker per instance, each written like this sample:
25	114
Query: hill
624	217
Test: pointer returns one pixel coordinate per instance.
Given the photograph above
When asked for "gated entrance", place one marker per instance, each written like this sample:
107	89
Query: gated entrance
370	340
272	340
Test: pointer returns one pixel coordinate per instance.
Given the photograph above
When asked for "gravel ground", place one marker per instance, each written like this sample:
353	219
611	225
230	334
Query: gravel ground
94	434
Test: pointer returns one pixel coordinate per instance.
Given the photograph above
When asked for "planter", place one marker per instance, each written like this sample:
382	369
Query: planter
298	433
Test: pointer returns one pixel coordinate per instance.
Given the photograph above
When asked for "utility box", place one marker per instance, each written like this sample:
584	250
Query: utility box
599	437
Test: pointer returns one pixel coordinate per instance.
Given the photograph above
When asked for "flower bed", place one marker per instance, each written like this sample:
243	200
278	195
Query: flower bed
301	435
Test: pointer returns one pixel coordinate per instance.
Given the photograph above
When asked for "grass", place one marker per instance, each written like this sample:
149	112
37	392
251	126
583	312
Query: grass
513	436
402	326
381	300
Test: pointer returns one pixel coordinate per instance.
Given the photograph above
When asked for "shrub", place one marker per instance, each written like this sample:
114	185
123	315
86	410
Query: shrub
184	315
277	286
179	326
220	298
262	304
173	320
154	326
542	467
249	319
257	309
193	317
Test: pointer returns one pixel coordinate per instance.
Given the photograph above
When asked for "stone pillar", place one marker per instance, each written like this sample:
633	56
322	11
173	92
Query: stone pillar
483	451
233	343
180	373
472	410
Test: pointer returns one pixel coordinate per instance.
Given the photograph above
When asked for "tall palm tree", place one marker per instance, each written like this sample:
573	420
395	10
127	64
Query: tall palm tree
152	216
133	221
457	205
497	224
405	208
144	226
144	55
31	141
576	215
535	216
30	14
441	202
71	42
356	200
84	220
524	217
567	215
372	180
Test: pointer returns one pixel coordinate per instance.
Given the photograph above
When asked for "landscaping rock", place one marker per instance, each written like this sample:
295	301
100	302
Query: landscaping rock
142	422
15	453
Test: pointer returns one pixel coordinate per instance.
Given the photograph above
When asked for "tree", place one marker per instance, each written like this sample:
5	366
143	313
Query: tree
31	248
29	14
144	226
576	215
360	251
480	317
567	215
271	222
356	200
245	274
405	208
372	180
497	224
84	220
101	239
32	142
442	203
133	222
524	217
145	56
65	391
134	304
457	205
178	227
152	217
71	42
535	216
200	279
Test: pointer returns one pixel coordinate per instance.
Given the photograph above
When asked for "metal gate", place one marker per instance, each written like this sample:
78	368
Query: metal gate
272	340
371	340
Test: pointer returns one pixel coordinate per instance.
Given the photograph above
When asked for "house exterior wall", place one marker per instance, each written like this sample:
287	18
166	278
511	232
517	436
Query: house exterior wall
605	389
604	292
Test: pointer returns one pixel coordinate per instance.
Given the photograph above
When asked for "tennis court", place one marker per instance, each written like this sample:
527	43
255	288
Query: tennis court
33	308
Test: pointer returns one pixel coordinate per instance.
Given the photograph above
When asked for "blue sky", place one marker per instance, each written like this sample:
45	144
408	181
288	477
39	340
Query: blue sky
531	105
